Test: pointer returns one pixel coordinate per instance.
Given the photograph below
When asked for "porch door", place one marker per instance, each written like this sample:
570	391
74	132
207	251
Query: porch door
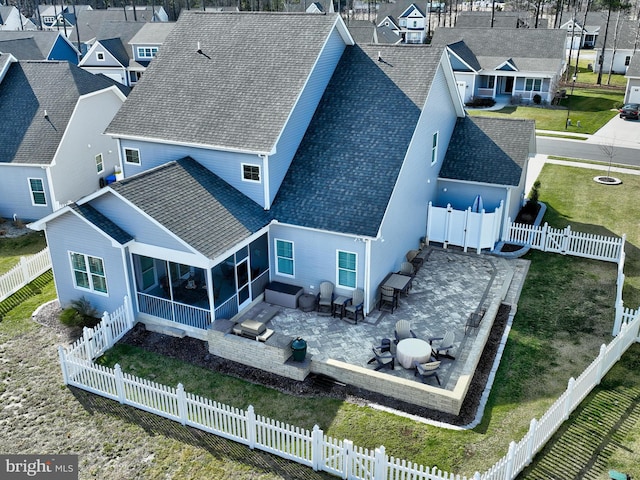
508	86
242	283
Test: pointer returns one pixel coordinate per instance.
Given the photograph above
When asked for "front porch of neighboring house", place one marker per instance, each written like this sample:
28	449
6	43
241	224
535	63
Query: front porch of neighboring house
519	88
189	297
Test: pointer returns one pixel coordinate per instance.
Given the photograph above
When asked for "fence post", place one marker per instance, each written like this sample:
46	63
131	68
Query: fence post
618	318
108	334
565	240
603	350
568	399
63	364
532	436
347	447
506	232
182	403
251	427
129	311
508	472
24	268
380	462
477	476
317	457
119	383
543	237
87	344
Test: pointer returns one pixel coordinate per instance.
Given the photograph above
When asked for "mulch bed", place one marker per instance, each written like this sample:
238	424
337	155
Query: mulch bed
195	351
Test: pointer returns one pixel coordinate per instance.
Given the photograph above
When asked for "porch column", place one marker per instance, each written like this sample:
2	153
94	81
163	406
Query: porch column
212	301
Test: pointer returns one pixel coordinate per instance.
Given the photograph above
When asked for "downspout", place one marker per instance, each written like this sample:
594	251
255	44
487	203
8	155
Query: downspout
266	190
507	206
52	197
132	288
367	274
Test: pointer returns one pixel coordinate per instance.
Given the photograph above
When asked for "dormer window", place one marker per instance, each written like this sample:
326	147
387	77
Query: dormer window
147	52
100	56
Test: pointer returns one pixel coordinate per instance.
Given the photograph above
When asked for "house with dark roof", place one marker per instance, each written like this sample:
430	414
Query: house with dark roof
262	169
406	18
38	45
498	19
632	91
52	147
616	45
12	20
580	35
514	62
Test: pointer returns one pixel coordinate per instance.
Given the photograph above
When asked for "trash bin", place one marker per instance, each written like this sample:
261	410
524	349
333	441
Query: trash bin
299	347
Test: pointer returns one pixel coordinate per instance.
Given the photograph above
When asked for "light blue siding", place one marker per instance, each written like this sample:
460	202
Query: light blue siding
406	219
461	195
303	112
227	165
15	194
315	257
136	224
63	51
87	241
457	65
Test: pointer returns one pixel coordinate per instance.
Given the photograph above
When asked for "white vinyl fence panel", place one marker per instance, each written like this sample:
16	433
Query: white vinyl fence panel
24	272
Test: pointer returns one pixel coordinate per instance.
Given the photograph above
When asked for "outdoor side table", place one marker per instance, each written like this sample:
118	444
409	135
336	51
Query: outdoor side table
337	307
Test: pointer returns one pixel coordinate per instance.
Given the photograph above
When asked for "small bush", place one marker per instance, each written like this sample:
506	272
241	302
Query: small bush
537	99
80	314
480	102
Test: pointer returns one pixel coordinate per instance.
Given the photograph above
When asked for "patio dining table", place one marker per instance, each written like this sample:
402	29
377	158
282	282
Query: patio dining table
412	350
397	281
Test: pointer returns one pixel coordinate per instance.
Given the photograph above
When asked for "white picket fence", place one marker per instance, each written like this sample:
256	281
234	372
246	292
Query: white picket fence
24	272
309	447
565	241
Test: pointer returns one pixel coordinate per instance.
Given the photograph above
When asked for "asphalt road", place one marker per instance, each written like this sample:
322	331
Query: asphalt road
587	151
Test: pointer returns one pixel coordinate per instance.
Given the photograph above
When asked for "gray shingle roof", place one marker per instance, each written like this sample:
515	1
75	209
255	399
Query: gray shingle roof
101	24
634	67
533	50
397	8
348	163
500	20
239	92
362	31
153	33
118	50
488	150
28	89
42	41
625	38
195	204
93	216
22	48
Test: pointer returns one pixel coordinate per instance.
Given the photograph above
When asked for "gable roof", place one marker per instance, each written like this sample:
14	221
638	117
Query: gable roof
195	204
531	49
28	90
116	48
622	37
345	170
93	216
634	67
29	45
245	80
501	19
152	33
101	24
396	9
362	31
488	150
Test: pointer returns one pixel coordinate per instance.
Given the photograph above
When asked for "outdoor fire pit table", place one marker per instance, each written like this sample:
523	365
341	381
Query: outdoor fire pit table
307	302
411	350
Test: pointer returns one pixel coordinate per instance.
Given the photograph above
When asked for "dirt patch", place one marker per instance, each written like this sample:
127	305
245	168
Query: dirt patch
195	352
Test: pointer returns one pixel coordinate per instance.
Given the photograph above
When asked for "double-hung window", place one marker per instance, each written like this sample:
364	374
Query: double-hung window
284	258
99	163
533	84
36	187
347	264
132	155
88	272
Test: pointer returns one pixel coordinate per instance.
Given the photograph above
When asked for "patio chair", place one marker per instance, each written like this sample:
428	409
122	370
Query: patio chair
325	298
403	330
413	258
407	268
355	305
383	359
388	298
441	345
426	370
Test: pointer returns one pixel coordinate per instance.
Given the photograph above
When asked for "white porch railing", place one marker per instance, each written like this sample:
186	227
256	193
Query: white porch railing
463	228
24	272
311	448
176	312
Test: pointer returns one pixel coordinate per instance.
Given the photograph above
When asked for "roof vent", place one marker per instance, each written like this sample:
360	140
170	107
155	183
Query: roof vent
46	115
379	56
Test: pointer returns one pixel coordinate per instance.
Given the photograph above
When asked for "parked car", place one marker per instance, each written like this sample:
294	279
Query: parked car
629	111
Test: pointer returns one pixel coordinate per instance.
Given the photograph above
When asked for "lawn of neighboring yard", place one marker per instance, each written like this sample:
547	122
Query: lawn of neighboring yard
564	314
11	249
591	106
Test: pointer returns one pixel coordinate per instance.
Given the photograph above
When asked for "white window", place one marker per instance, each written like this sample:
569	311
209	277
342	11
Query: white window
132	155
36	186
88	273
250	173
347	262
284	258
99	163
147	52
533	84
434	148
100	56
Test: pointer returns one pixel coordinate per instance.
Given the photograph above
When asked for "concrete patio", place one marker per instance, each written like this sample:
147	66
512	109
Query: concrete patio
449	287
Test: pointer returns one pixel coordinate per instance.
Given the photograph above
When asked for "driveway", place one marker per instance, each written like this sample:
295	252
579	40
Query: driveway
618	132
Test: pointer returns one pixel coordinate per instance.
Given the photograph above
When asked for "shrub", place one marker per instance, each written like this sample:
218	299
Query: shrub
80	314
537	99
480	102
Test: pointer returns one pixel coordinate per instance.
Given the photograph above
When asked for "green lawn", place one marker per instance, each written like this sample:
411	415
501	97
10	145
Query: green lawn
565	312
586	75
11	249
592	107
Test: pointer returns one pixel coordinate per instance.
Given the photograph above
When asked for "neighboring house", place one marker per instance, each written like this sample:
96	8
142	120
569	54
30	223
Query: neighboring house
38	45
295	173
490	62
363	31
145	13
52	149
579	36
12	20
478	19
406	18
126	63
622	42
60	17
632	92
